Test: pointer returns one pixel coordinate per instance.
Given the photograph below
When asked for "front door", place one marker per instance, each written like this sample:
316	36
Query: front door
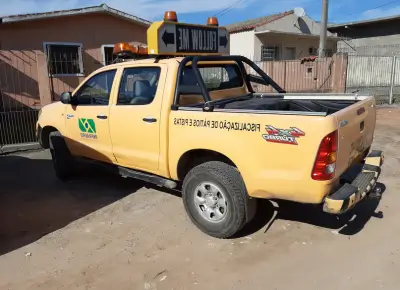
136	117
289	53
87	122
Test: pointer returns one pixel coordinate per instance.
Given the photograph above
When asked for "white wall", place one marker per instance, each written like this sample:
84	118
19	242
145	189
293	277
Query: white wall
257	48
302	44
381	45
372	71
249	44
242	43
293	24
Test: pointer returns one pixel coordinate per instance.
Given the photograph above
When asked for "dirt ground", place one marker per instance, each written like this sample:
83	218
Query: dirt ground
105	232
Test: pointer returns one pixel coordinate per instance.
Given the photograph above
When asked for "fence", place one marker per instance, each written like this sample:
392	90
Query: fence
373	69
375	75
19	97
317	76
301	76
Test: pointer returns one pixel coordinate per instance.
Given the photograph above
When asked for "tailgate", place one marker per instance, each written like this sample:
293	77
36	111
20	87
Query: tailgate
356	125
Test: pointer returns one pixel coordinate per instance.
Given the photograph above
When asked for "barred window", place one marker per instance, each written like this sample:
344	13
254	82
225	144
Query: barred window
64	58
269	53
108	57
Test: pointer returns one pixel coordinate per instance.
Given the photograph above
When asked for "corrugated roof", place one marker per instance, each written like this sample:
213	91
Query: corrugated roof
92	9
361	22
256	22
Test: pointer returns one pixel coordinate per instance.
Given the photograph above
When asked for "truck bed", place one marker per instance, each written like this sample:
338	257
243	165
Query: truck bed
328	107
287	103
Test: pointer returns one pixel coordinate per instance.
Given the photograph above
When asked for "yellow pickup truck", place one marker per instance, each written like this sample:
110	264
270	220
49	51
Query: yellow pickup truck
195	123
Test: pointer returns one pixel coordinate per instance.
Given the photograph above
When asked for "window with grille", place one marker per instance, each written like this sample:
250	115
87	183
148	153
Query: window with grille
269	53
313	51
108	57
64	59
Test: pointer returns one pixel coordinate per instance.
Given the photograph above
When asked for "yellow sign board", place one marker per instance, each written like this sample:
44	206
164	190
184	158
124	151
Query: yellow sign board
173	38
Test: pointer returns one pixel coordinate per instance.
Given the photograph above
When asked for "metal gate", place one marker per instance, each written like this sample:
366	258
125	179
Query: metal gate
375	75
298	76
19	97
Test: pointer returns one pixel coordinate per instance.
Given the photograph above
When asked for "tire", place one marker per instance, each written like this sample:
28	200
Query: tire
61	156
210	177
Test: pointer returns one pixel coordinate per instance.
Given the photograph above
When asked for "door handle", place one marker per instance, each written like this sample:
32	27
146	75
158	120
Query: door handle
101	116
149	120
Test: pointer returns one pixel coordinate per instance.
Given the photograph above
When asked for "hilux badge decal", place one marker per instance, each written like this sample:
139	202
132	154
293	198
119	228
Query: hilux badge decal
284	136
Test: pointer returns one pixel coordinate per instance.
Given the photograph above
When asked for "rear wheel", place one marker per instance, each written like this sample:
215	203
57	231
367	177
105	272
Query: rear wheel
214	196
61	156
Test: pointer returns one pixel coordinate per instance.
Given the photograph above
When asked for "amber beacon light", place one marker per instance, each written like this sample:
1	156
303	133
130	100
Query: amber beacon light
212	21
122	47
142	50
170	16
126	49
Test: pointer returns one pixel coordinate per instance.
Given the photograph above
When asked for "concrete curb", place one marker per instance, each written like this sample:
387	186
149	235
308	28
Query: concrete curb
19	147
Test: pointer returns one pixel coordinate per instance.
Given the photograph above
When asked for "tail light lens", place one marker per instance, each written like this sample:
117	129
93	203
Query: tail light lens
325	163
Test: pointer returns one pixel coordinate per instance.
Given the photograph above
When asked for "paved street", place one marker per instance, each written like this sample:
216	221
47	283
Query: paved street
106	232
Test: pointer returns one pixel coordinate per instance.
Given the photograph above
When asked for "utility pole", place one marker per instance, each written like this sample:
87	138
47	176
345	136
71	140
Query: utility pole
323	27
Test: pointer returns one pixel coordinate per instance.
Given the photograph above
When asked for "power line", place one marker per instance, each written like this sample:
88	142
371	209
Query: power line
229	8
232	6
373	8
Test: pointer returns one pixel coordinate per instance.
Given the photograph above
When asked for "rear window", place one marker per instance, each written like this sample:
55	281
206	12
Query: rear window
216	77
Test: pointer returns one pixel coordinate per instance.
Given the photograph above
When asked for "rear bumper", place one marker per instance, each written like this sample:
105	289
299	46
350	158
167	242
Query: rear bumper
347	196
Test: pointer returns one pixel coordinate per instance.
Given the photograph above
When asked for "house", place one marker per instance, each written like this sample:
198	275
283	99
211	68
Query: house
283	36
379	36
45	54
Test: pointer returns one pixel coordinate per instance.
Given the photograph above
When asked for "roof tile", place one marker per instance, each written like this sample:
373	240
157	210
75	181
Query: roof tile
103	8
256	22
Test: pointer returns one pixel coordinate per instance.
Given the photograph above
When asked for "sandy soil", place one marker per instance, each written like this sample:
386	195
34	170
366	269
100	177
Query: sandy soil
105	232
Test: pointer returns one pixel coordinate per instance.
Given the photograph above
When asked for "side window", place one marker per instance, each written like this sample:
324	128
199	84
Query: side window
96	91
215	78
138	86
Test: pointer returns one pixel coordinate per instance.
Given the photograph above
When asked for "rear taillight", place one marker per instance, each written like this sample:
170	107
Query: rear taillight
325	163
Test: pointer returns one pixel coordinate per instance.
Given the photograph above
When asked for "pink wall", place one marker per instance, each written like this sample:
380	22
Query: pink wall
24	40
18	79
325	75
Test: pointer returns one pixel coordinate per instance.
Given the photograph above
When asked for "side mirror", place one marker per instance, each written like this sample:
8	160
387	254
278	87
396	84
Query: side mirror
66	98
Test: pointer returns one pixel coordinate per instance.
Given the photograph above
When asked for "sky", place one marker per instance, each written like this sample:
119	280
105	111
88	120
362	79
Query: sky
197	11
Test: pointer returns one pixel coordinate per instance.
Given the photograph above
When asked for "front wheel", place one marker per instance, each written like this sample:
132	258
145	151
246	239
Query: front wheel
61	156
214	196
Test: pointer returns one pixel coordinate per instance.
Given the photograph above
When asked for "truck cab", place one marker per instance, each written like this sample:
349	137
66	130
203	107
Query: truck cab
186	116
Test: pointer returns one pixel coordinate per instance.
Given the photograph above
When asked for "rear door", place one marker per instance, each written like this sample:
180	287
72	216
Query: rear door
356	125
136	117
